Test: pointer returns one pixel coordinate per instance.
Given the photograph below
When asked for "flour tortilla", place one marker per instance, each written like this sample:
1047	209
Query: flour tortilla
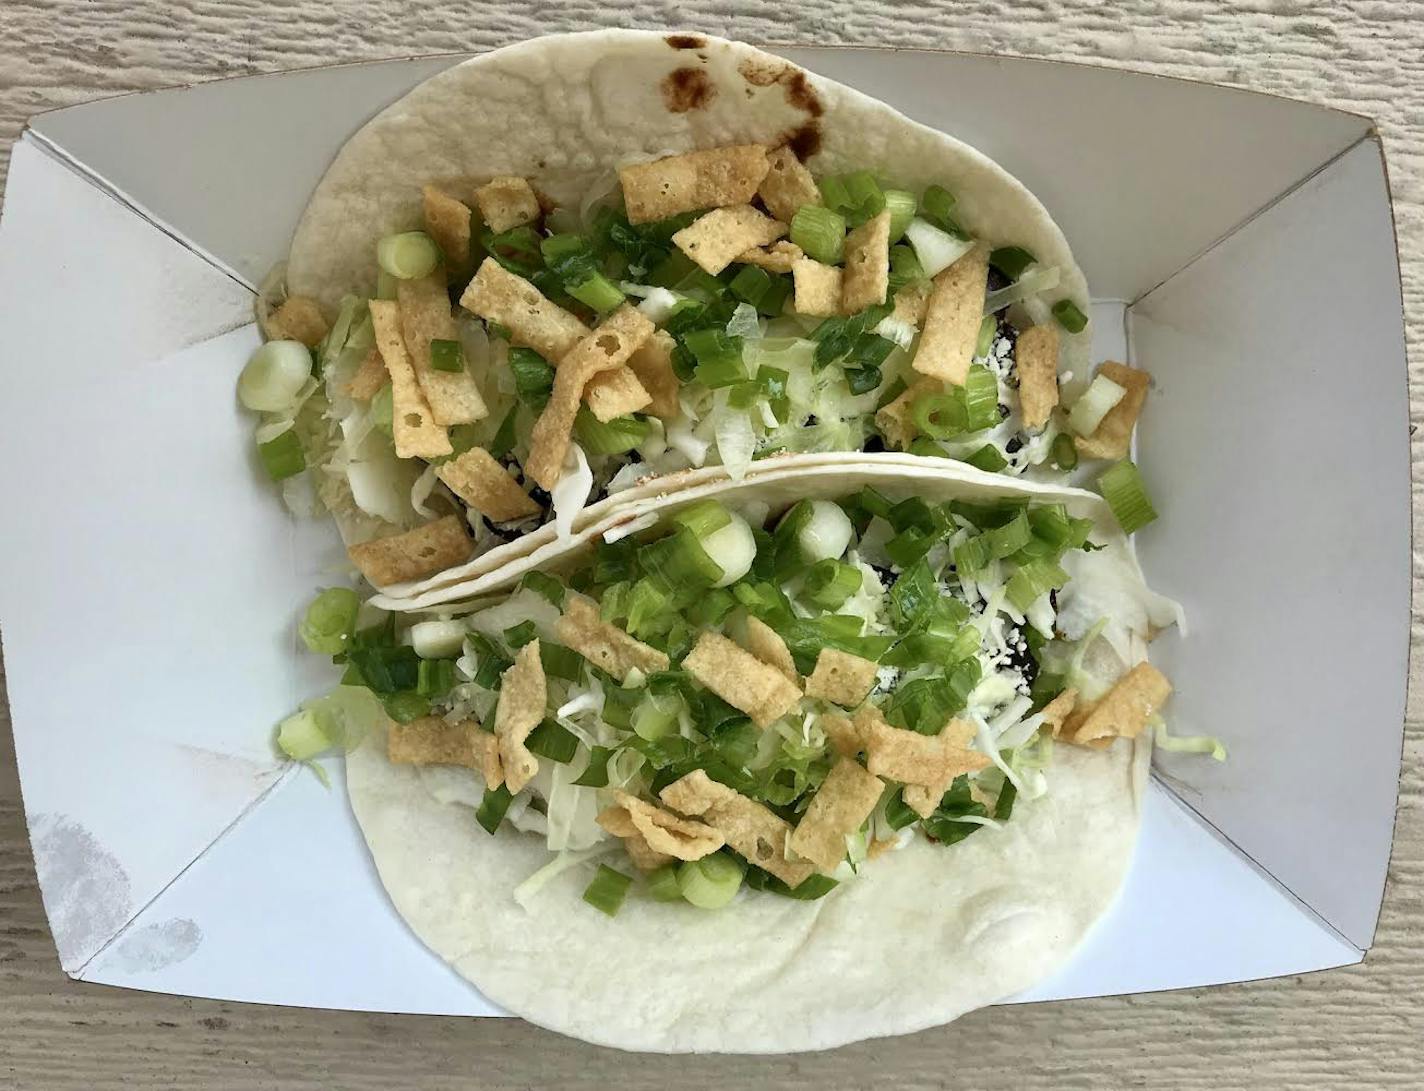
927	934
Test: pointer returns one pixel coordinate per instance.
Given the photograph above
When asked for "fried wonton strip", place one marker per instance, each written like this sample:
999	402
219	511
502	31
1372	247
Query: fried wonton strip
523	695
368	379
779	257
477	479
841	678
912	758
413	425
867	265
1036	360
766	644
749	828
652	364
604	645
425	316
447	221
818	287
662	831
713	241
615	393
609	346
1113	438
896	420
497	295
415	554
847	738
922	800
1057	711
844	800
787	186
952	318
297	319
431	741
741	679
911	301
685	183
507	202
1124	710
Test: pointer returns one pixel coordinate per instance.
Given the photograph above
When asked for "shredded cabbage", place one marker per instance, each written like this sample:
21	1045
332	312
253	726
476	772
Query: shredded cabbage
571	492
736	441
1187	744
744	323
524	893
936	249
1030	283
420	491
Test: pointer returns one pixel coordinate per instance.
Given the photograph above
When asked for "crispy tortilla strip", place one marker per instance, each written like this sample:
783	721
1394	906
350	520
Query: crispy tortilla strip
417	553
912	758
952	318
847	738
818	287
741	679
615	393
766	644
497	295
523	695
911	301
297	319
1113	439
841	678
507	202
1124	710
713	241
1057	711
366	382
662	831
779	257
617	337
1036	359
431	741
844	800
413	425
477	479
867	265
896	420
787	186
425	316
685	183
581	628
447	221
749	828
652	364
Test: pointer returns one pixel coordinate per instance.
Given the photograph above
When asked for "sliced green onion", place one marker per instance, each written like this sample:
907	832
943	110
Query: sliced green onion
1094	404
435	678
1008	539
981	399
607	891
1069	316
819	232
834	193
905	267
938	204
407	256
386	286
598	292
596	775
490	660
750	284
650	609
939	416
568	257
612	437
505	436
972	555
719	357
817	886
711	882
1004	805
898	813
533	377
493	805
544	585
274	375
680	561
656	718
405	706
446	355
553	741
282	457
1122	487
517	249
662	885
516	636
866	198
987	458
303	735
937	249
382	408
1032	580
987	328
1064	451
901	204
864	379
1011	260
560	662
702	518
829	583
910	545
330	621
773	302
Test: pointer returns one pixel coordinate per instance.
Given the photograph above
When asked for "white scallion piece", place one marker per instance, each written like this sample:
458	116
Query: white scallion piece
274	376
936	249
1094	404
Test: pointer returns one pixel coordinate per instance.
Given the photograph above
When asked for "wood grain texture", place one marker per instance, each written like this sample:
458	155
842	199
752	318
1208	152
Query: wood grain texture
1362	1026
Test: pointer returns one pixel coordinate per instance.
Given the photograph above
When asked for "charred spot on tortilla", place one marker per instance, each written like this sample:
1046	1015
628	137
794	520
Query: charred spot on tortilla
686	89
804	140
685	41
413	555
796	85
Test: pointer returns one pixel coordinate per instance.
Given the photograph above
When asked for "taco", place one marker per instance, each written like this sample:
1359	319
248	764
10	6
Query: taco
587	261
761	766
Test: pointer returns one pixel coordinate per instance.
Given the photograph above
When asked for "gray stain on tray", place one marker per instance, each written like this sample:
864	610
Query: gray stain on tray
86	890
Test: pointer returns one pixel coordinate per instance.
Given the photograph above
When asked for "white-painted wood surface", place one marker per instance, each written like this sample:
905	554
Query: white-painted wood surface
1363	1026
